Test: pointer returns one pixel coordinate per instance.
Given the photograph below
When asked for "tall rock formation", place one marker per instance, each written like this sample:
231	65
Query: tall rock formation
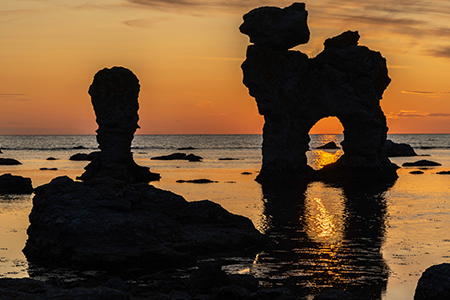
114	93
293	92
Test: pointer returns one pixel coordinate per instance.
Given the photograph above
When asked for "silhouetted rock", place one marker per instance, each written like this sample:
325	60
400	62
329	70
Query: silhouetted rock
293	92
79	147
203	180
402	149
85	156
9	162
335	295
246	173
51	158
1	151
422	163
114	94
207	278
48	169
29	289
443	173
228	158
106	223
10	184
330	145
434	284
178	156
276	28
416	172
186	148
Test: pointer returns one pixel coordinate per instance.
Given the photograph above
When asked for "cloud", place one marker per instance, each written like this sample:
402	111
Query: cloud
441	52
204	103
14	97
424	93
146	22
415	114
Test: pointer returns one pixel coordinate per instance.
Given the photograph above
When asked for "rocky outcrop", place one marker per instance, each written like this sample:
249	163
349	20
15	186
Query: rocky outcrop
294	92
9	162
10	184
114	93
106	223
434	284
277	28
399	149
179	156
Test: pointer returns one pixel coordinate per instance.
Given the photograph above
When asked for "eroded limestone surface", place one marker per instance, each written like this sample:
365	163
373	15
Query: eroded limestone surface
293	92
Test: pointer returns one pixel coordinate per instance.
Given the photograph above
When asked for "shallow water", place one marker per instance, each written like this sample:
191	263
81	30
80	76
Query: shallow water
372	240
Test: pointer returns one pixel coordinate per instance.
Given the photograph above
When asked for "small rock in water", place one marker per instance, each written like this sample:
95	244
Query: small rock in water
186	148
48	169
85	157
203	180
228	158
79	147
51	158
246	173
178	156
443	173
434	284
10	184
395	150
416	172
422	163
9	162
330	145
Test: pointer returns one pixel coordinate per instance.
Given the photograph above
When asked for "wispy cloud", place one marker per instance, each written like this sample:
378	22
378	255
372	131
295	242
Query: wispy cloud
13	97
145	22
426	93
415	114
440	52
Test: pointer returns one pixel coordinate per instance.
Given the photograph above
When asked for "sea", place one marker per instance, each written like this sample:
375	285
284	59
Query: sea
374	241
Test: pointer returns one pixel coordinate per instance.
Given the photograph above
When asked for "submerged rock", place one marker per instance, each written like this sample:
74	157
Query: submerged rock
422	163
9	162
178	156
106	223
10	184
434	284
330	145
416	172
402	149
277	28
114	93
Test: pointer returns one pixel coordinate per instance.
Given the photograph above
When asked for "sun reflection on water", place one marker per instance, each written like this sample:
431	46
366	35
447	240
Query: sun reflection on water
323	221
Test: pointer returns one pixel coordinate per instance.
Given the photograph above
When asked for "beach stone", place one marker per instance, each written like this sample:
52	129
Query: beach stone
421	163
434	284
293	92
106	223
395	150
10	184
9	162
114	94
277	28
330	145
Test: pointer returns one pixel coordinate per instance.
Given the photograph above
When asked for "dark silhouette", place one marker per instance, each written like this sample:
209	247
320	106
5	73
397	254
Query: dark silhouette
114	94
294	92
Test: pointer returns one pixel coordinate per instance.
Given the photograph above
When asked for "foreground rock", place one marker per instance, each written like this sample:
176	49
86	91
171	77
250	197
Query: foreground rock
434	284
422	163
114	93
178	156
29	289
10	184
396	150
9	162
293	92
105	223
276	28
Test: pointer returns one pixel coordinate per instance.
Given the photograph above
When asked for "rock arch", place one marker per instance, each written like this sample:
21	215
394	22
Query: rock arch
293	92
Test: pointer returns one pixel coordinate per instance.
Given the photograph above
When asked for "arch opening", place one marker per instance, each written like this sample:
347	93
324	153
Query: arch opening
326	130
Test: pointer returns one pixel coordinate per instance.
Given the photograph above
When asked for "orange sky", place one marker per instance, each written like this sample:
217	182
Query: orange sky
187	56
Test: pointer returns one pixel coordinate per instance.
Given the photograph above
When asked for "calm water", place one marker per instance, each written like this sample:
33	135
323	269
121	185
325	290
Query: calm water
373	240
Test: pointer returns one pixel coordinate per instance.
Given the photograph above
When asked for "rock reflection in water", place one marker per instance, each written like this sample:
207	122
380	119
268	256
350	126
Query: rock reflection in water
328	237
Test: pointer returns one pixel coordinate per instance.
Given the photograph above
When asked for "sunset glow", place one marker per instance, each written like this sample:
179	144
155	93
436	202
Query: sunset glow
187	56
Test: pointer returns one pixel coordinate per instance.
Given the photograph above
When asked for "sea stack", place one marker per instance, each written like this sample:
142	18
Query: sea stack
293	92
114	93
